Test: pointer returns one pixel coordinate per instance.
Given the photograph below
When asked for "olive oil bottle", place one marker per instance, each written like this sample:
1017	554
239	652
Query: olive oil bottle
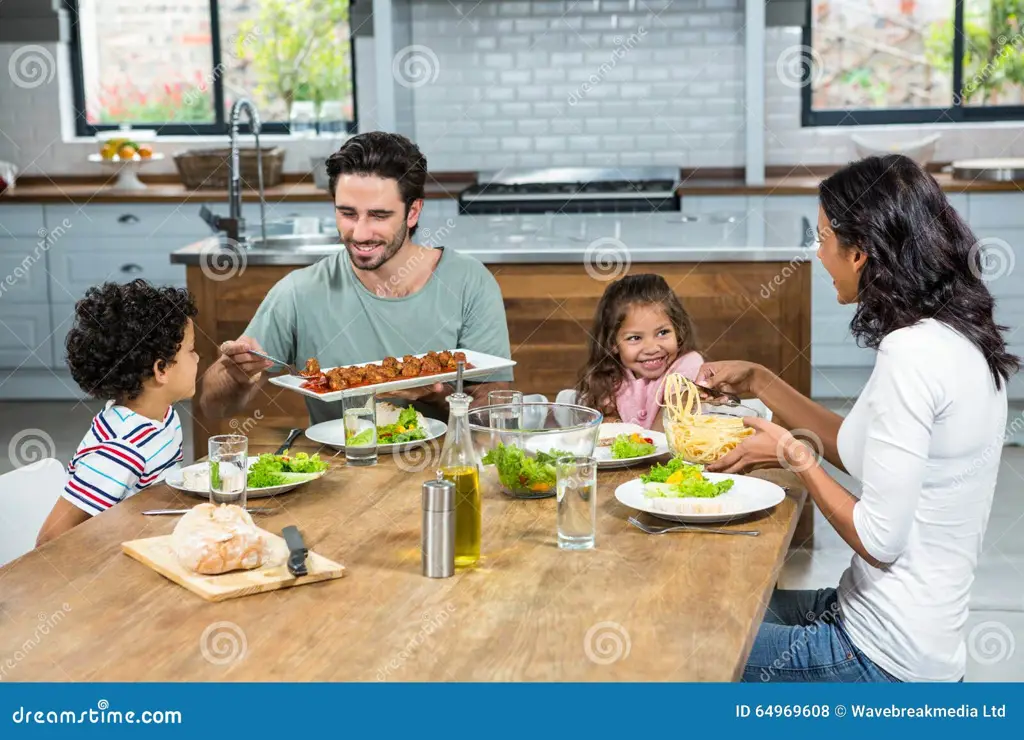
458	464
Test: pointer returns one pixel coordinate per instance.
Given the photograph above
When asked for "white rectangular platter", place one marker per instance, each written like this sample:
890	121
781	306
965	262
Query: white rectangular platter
483	365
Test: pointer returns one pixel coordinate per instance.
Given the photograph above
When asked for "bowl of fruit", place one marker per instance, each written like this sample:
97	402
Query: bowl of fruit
124	151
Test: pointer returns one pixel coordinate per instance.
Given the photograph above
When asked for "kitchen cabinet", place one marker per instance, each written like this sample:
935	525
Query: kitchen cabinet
25	336
24	289
79	263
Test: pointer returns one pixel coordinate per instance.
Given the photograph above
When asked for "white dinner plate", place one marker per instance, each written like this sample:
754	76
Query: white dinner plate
176	480
483	365
603	455
332	434
747	496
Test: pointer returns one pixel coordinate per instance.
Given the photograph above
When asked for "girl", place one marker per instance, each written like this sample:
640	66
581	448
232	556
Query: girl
641	333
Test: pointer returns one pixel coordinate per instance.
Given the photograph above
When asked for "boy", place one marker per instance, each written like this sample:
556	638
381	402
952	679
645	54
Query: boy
133	346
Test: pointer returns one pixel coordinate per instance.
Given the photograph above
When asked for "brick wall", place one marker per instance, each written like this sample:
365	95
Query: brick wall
593	82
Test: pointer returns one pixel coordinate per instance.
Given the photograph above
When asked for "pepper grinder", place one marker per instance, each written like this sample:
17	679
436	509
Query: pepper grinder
437	540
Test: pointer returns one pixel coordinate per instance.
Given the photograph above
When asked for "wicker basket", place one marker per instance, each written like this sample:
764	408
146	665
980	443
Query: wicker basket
211	168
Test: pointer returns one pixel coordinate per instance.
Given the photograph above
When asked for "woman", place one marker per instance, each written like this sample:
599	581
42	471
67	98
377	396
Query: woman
924	438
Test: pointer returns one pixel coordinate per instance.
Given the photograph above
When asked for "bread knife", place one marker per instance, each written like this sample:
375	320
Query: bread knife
296	551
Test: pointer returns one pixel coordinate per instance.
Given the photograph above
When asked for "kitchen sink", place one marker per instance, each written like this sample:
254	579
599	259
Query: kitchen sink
306	243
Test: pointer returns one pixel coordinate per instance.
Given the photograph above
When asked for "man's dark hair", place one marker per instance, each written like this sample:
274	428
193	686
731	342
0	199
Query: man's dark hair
121	331
391	156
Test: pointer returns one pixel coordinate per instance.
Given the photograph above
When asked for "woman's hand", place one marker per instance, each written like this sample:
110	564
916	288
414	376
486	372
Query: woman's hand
733	376
770	447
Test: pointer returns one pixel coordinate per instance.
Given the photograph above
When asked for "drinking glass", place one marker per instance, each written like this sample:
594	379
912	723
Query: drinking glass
510	416
360	413
229	469
576	487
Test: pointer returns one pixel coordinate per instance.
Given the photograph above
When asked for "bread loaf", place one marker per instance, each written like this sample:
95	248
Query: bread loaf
217	539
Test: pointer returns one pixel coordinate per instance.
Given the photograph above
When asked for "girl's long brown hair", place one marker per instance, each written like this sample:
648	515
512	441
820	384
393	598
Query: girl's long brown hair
601	376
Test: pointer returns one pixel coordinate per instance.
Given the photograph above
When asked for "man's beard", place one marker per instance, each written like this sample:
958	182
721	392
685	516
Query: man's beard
390	249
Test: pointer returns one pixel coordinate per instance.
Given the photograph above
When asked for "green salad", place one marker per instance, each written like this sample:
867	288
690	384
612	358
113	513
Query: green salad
519	472
406	429
632	445
680	479
277	470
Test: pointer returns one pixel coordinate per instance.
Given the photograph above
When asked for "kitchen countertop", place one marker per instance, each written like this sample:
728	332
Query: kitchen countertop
596	238
162	190
443	185
527	612
807	184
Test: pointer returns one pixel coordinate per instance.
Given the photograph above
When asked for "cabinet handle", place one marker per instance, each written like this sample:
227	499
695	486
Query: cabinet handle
128	218
131	268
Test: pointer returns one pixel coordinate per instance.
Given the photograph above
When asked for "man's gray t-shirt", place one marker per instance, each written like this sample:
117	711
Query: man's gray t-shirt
323	311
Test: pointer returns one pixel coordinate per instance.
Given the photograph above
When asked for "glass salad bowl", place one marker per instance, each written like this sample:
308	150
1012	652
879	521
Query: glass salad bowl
710	436
518	444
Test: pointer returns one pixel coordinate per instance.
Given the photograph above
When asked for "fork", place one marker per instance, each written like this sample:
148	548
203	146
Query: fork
687	528
290	368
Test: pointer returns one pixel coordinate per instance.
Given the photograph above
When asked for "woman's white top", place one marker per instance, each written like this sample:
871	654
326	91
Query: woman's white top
924	438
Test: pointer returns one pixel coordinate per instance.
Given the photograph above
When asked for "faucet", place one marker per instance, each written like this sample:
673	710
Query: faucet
234	225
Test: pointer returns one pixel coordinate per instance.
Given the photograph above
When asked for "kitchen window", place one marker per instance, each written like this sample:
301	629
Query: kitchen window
177	66
913	61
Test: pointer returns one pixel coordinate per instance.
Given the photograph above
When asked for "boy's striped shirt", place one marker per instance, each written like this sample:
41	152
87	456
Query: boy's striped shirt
121	454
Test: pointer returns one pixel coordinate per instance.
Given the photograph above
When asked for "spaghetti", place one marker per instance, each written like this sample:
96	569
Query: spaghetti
698	437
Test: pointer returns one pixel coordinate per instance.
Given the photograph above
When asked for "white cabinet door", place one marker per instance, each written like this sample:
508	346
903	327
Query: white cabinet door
62	317
140	220
23	270
21	220
995	209
77	264
25	336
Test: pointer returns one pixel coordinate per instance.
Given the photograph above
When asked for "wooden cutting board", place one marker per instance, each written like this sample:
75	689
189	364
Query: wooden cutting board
157	554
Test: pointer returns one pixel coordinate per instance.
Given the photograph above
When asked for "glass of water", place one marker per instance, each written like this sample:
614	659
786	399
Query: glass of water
510	416
576	486
360	413
229	469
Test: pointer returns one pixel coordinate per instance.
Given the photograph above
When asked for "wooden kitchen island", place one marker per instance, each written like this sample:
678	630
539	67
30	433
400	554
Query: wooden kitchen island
678	607
550	308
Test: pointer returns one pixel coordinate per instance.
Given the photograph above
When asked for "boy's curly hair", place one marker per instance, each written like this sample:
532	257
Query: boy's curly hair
120	332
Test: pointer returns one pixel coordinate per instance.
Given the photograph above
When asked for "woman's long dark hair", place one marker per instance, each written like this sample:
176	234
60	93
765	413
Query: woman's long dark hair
923	261
601	376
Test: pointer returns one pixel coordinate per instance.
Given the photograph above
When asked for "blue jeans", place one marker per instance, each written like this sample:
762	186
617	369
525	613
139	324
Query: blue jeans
802	639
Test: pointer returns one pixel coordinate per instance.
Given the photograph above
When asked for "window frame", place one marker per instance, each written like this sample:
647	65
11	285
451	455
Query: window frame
218	127
957	112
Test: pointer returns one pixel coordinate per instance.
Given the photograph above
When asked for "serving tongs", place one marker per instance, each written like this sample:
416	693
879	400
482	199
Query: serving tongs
721	398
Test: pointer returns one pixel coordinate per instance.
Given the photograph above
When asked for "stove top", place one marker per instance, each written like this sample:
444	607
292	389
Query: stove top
573	190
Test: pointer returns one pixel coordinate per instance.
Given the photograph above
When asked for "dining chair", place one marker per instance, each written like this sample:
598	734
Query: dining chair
26	497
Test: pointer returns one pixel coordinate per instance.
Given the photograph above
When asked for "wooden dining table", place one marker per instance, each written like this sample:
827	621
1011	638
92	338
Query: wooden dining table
675	607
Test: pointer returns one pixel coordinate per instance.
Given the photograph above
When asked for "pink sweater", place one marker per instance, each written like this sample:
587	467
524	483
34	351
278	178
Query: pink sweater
638	400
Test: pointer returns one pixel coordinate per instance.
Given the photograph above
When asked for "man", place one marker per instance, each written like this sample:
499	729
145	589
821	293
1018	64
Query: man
382	295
